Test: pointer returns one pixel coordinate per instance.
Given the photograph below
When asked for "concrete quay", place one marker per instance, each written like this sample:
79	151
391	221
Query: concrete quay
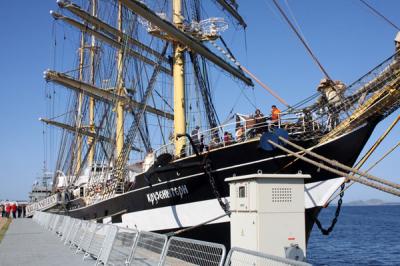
28	243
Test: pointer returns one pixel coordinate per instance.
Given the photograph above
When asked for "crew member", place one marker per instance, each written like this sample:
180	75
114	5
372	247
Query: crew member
196	137
240	134
227	138
260	122
149	160
331	98
275	115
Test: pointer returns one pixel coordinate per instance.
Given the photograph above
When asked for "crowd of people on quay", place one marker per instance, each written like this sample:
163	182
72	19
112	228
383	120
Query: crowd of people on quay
12	209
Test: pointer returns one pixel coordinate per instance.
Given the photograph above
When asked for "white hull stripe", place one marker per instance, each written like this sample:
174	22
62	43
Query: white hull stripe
190	214
317	194
176	216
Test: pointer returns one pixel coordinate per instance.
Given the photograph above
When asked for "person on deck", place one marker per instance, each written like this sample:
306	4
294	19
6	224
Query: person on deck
275	115
196	137
332	93
240	134
227	138
201	146
260	121
149	160
214	143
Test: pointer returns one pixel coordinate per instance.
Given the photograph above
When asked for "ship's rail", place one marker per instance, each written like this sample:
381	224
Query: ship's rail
314	121
297	124
108	244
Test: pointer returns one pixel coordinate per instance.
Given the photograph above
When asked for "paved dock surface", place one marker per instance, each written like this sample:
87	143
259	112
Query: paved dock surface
27	243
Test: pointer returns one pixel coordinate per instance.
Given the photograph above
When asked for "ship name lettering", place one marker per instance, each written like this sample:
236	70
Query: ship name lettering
155	197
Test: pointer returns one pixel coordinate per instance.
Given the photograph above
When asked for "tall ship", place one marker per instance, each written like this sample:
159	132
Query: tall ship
142	144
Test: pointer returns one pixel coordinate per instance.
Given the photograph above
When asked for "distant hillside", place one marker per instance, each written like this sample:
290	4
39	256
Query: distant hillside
370	202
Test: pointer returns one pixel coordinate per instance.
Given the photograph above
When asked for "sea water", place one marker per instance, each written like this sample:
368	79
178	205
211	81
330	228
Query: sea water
363	235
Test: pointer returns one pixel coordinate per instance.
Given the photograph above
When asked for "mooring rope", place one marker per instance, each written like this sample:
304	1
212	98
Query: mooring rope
392	191
340	165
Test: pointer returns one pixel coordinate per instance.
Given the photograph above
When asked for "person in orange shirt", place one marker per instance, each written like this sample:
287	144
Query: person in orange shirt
275	115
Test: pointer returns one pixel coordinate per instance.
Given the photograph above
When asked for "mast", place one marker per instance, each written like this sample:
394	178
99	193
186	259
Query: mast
90	140
179	81
120	91
79	140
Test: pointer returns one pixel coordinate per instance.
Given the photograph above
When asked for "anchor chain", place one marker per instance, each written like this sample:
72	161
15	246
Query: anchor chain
207	171
337	213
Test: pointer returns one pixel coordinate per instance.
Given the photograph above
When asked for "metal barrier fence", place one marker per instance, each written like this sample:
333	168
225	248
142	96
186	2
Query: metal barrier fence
148	249
87	238
67	232
184	251
119	252
107	247
99	240
243	257
112	245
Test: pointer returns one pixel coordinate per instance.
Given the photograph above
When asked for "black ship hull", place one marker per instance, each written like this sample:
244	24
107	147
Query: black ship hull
163	200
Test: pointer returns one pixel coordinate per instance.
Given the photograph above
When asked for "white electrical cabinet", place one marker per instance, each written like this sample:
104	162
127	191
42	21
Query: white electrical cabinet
268	213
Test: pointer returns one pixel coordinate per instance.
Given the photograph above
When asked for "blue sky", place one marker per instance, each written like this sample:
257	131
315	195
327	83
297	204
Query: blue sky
344	35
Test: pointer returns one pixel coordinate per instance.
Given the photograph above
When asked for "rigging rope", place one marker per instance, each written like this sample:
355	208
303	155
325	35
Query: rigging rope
124	154
291	14
204	87
380	15
302	40
236	62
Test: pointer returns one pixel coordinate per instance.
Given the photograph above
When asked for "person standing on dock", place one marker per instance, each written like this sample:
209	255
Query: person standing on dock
7	208
3	212
14	209
19	211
